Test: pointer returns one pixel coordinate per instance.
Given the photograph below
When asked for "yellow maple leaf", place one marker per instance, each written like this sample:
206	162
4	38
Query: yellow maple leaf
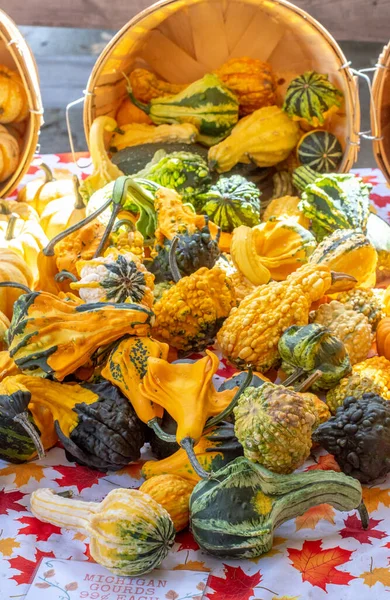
23	473
8	545
378	574
277	542
374	496
192	565
309	519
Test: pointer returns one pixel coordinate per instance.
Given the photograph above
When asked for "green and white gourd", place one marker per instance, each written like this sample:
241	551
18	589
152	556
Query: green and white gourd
320	150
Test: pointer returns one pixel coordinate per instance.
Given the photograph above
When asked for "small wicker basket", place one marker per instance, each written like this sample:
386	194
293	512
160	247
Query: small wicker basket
181	40
380	112
15	54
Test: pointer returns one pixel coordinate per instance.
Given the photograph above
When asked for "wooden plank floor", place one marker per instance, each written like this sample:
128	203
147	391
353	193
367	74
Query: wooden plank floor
66	57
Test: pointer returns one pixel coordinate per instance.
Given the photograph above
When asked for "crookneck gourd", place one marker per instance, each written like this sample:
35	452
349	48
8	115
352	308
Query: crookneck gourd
351	327
311	98
127	365
201	405
234	516
273	249
135	134
274	425
195	246
314	354
250	335
217	447
358	437
172	493
207	103
54	336
348	251
130	533
114	277
13	268
266	137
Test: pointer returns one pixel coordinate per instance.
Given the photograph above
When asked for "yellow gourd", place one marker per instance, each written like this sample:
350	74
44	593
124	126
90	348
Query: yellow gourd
44	189
9	154
135	134
172	493
64	212
286	206
13	97
130	113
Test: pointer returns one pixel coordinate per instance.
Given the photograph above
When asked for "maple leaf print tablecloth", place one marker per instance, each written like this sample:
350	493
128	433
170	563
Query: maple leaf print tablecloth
320	555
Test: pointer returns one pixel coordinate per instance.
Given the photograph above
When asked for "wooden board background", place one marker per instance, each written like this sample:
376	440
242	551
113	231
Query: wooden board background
360	20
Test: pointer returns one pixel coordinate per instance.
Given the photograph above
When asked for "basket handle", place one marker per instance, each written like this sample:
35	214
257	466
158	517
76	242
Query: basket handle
370	134
69	128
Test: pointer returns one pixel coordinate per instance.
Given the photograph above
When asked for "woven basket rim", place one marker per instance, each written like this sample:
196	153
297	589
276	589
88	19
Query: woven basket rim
380	155
352	139
27	68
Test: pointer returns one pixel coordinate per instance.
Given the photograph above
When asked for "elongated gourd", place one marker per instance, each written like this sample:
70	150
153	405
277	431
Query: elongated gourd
130	533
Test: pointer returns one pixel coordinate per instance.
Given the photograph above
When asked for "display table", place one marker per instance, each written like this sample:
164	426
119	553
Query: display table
323	554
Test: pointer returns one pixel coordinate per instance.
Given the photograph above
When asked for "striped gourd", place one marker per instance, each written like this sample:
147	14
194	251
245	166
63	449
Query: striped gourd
130	533
206	103
320	150
336	201
304	175
348	251
234	514
311	98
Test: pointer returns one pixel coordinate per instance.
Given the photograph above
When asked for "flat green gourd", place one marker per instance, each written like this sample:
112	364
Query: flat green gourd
311	98
313	353
320	150
234	515
336	201
206	103
231	202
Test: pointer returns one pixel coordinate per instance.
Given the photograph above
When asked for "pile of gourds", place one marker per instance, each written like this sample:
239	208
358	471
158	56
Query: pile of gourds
104	303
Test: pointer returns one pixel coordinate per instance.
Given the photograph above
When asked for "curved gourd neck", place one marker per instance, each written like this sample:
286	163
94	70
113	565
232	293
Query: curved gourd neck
10	232
62	511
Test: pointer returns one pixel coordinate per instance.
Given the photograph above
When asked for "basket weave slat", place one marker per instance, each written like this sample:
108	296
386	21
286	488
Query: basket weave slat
181	40
381	109
15	53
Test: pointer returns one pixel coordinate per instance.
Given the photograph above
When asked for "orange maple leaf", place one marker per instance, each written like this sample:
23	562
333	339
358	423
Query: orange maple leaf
8	545
326	462
133	470
374	496
311	517
318	566
23	473
192	565
79	536
278	541
376	575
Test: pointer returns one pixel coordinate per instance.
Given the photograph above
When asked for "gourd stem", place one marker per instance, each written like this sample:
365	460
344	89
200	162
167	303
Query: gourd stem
176	276
14	284
122	222
48	173
293	377
188	445
10	232
22	419
166	437
79	203
144	107
364	516
305	385
108	229
62	275
226	412
49	250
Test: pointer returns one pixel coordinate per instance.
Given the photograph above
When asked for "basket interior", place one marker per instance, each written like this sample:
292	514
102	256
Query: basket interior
15	54
381	108
182	40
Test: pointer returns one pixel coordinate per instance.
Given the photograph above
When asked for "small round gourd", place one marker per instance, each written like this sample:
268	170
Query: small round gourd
173	493
13	97
9	154
320	150
383	338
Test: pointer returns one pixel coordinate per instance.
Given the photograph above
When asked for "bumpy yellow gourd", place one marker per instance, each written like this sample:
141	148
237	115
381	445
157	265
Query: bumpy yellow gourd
130	533
173	493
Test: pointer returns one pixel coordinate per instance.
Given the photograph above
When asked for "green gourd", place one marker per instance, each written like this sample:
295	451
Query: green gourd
320	150
234	515
314	354
206	103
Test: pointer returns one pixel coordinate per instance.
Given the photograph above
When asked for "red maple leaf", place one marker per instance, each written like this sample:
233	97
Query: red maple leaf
9	501
353	528
367	178
236	585
227	370
27	567
186	541
81	477
326	462
67	157
318	566
381	201
38	528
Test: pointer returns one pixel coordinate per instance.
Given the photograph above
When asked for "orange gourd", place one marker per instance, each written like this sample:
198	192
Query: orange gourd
383	338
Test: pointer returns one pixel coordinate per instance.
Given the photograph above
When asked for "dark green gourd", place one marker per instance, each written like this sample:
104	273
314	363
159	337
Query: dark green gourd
234	514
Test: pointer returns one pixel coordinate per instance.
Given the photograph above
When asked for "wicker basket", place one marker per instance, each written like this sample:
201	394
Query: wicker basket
181	40
15	54
380	112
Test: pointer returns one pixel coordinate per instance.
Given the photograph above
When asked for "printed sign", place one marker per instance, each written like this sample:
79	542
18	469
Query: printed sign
57	579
